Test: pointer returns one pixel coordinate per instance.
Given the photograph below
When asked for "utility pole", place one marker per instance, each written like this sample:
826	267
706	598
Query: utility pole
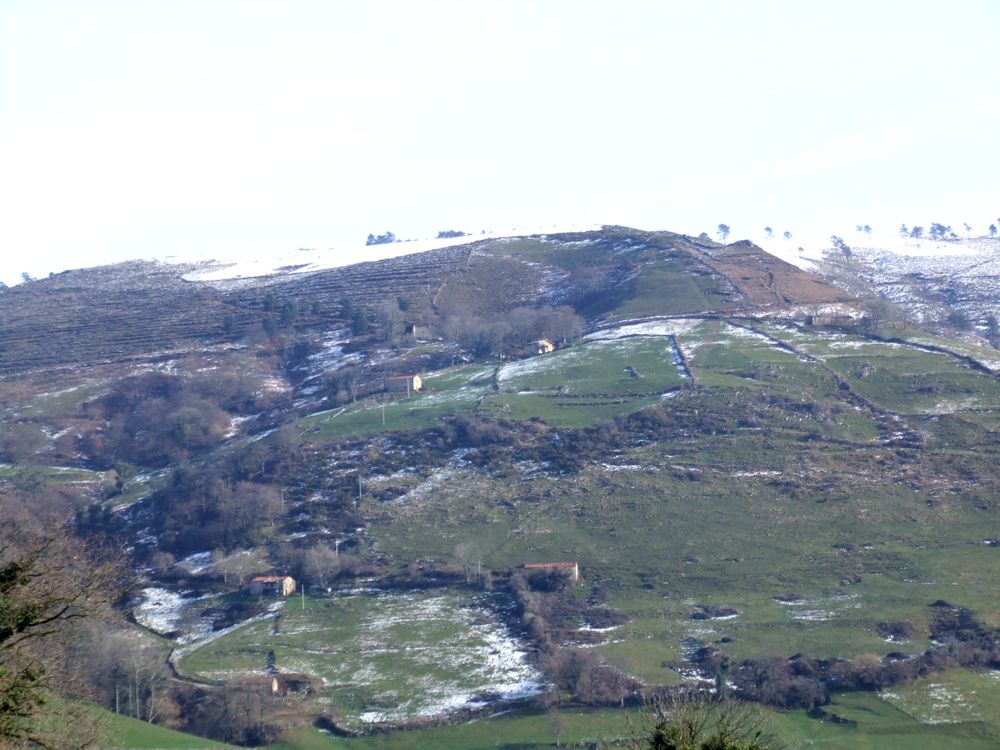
303	597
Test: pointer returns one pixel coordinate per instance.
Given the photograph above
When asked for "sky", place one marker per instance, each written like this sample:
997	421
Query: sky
218	128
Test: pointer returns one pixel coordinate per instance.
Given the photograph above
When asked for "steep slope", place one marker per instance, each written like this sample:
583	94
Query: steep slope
736	486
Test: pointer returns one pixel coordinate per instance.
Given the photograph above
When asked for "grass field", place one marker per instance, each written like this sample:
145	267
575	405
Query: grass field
131	734
740	516
870	724
383	657
777	484
578	386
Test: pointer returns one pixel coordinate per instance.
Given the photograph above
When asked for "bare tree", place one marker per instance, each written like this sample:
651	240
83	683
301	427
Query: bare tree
723	232
48	586
467	557
236	568
320	565
693	719
390	317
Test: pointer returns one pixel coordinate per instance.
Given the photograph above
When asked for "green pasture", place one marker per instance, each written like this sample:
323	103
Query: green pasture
730	519
955	696
443	393
855	721
574	387
132	734
661	287
382	657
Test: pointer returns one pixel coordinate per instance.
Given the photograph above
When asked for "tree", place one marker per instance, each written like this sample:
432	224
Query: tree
787	235
959	320
381	239
968	229
993	230
236	568
839	244
695	720
467	557
917	232
769	232
939	231
320	565
390	317
289	312
867	229
360	322
48	585
723	232
903	231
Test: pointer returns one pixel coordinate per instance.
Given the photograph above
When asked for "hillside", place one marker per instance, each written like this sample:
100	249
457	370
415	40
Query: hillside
767	483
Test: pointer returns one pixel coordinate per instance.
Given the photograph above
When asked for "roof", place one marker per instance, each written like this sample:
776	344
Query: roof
402	377
269	579
550	565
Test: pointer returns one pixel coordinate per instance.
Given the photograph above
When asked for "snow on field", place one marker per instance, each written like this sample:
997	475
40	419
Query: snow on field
535	365
654	327
196	563
594	351
162	611
418	654
307	260
428	485
936	703
493	664
820	609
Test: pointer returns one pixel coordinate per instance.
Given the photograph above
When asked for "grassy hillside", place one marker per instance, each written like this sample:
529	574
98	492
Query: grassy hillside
727	478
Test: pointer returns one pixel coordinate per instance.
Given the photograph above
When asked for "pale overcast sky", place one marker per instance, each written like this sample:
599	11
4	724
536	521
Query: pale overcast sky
144	128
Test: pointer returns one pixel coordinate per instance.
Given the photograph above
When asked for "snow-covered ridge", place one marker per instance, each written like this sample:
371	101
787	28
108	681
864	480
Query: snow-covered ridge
307	260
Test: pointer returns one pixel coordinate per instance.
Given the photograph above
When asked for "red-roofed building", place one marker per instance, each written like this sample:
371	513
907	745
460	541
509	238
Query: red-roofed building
278	585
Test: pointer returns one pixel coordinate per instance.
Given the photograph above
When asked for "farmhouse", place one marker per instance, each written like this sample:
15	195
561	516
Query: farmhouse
277	585
516	351
261	684
572	568
403	383
543	346
830	321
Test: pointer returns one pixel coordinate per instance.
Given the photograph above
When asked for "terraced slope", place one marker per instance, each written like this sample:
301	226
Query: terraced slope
132	309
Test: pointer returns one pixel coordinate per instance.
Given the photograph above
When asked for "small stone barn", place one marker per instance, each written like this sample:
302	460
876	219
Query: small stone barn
572	569
277	585
830	321
403	383
543	346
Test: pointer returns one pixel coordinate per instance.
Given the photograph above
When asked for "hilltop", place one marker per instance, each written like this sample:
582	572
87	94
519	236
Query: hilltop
769	479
